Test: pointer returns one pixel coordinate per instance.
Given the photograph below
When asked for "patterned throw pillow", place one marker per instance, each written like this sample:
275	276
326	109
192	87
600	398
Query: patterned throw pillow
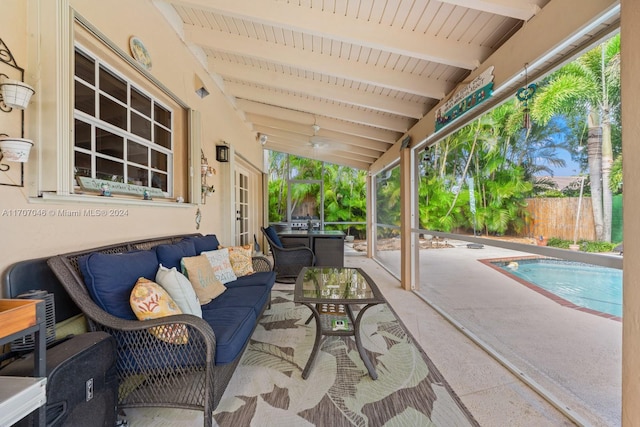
180	289
240	257
202	277
221	264
150	301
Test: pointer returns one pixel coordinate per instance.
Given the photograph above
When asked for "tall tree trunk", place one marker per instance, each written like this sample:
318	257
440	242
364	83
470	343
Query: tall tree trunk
443	156
607	163
594	153
466	168
607	151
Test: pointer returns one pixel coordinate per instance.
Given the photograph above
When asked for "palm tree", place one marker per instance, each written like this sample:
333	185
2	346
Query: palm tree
388	201
278	164
345	197
477	136
590	88
484	150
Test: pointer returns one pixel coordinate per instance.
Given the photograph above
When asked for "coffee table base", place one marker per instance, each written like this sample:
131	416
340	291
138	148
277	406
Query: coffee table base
320	333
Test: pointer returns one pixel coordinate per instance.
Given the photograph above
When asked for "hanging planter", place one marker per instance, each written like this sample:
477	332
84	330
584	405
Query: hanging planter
208	190
16	94
15	149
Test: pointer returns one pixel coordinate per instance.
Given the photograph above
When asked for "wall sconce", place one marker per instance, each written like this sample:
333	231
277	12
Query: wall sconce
222	153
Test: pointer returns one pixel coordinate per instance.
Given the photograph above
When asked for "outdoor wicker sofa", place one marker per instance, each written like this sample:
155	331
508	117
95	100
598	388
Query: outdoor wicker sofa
156	373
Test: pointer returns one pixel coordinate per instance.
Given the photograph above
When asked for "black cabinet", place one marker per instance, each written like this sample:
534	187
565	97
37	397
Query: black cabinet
328	246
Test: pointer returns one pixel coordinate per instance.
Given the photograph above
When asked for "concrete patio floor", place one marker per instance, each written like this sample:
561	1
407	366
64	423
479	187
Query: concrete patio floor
509	318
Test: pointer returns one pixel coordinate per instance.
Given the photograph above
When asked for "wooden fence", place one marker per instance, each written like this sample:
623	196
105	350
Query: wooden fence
556	217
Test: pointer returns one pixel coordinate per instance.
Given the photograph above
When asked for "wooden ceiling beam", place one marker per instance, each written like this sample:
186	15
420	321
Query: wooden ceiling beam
362	32
316	62
254	110
319	107
307	86
518	9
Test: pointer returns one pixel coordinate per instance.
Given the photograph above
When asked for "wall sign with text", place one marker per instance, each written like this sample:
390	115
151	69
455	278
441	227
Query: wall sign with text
480	89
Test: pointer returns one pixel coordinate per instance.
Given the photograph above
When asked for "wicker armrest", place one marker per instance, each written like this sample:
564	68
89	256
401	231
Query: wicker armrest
295	255
295	248
192	322
261	263
293	245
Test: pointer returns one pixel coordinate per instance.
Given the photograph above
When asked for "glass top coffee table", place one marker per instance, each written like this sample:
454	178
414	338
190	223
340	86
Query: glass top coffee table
332	294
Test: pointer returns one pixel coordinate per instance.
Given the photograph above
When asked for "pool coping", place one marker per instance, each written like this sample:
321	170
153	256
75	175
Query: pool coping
563	302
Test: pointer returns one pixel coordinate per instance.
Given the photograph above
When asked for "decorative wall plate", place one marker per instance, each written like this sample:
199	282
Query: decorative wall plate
139	52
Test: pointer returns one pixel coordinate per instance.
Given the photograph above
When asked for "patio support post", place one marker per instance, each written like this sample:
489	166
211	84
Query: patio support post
371	217
406	219
630	69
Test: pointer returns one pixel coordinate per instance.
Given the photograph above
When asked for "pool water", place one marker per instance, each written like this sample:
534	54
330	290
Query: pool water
585	285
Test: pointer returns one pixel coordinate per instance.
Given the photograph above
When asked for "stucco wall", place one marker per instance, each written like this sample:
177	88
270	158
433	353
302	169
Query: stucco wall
32	227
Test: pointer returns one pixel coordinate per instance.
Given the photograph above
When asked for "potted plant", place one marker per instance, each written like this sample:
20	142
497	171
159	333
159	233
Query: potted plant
208	190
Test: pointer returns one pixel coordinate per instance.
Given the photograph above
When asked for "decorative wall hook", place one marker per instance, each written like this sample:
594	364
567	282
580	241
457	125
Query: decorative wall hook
3	167
205	171
13	94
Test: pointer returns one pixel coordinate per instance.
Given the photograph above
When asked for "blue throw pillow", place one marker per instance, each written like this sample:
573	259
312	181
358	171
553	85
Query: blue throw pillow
271	232
171	254
111	277
204	243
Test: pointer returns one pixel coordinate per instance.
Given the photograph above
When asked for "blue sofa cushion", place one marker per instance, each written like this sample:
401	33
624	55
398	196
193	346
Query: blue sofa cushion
111	277
254	297
170	255
260	278
204	243
271	232
233	327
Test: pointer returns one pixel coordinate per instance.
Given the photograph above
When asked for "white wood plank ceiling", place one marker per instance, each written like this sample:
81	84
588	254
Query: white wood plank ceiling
362	71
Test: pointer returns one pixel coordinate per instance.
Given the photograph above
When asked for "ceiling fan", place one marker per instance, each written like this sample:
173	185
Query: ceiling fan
318	141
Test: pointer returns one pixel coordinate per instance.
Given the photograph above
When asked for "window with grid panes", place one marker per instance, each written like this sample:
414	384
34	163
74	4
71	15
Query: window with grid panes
121	133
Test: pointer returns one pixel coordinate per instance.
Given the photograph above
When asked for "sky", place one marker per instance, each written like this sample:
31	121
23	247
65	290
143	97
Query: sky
571	169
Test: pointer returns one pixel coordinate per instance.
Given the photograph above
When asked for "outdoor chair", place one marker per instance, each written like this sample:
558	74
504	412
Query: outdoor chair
287	261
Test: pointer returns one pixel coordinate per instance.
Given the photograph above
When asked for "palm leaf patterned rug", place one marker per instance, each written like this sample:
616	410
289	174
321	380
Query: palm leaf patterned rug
267	388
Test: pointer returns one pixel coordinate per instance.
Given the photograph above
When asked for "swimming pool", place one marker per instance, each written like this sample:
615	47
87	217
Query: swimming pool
585	285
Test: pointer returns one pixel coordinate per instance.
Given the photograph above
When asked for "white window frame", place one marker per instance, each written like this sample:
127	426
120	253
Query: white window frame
53	181
95	122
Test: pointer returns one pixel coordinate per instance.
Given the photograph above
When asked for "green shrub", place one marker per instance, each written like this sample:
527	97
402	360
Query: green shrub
585	245
551	194
558	243
588	246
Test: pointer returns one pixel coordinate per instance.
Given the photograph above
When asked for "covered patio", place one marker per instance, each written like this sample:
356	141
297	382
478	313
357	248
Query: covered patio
357	86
